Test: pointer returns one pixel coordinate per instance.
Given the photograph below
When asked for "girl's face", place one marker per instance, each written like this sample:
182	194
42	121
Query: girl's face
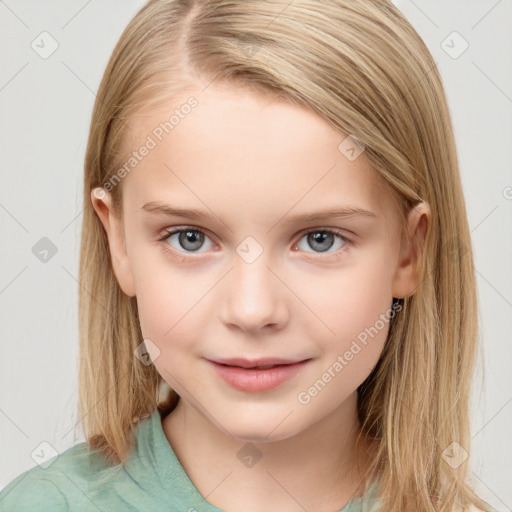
244	278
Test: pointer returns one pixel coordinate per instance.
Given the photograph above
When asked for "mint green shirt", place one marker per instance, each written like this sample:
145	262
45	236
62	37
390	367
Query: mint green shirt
153	480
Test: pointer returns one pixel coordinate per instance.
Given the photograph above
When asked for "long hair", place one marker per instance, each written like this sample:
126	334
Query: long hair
362	67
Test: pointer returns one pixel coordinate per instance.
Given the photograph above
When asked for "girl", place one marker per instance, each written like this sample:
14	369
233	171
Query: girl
228	361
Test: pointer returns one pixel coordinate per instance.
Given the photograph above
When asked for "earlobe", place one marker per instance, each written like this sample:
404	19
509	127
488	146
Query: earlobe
102	203
407	278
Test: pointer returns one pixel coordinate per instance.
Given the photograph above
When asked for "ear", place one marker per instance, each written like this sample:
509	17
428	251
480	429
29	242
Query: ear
406	278
102	204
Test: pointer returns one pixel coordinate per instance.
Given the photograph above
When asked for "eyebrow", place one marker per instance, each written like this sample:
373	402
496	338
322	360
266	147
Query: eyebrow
159	208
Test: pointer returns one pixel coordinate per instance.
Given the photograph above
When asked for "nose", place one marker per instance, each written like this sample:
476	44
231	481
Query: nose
253	297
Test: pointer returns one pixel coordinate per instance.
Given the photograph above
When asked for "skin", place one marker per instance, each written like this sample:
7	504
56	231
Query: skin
256	162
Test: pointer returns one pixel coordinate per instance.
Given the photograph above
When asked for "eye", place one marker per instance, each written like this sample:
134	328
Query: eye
188	239
321	240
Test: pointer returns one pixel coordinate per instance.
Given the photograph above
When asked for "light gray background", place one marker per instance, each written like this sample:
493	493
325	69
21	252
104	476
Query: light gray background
45	112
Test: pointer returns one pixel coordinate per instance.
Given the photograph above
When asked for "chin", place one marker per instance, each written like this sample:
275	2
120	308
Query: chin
255	435
263	428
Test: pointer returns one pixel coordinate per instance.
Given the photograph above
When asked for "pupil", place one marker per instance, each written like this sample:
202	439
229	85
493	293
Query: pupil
192	237
318	237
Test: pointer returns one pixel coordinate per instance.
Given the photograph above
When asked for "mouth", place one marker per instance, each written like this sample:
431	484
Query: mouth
257	364
256	376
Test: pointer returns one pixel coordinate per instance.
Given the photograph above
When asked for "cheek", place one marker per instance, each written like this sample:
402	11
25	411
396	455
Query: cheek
351	297
168	307
166	297
350	312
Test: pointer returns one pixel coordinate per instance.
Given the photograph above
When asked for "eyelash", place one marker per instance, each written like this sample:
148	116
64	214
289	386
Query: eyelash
329	257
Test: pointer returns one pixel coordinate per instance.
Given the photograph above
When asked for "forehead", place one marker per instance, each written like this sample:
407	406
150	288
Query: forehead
235	149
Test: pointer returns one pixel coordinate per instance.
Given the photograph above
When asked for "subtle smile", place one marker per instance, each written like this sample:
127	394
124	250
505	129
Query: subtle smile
262	376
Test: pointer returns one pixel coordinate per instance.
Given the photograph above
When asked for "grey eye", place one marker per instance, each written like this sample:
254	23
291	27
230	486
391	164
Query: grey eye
189	240
322	240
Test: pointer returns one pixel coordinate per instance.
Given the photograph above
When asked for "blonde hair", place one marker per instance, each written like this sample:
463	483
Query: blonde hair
362	67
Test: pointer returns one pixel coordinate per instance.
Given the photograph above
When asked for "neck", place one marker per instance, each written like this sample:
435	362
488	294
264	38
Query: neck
319	465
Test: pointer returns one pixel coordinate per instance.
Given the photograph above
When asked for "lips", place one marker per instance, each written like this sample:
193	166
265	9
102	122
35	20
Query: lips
257	375
261	363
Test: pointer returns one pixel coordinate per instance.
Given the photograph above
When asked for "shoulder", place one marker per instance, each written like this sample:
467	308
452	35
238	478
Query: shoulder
30	491
55	485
